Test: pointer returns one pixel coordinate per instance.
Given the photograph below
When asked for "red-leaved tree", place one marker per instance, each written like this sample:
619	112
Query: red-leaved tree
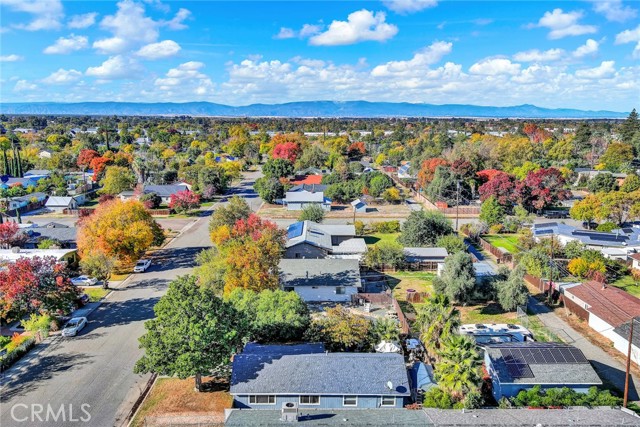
356	150
10	235
428	170
35	285
502	186
184	201
286	150
542	188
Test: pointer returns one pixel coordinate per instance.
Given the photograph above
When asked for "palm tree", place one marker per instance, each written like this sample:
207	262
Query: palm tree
386	330
436	321
459	369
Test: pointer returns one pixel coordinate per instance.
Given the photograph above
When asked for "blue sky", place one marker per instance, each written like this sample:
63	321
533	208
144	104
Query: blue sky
577	54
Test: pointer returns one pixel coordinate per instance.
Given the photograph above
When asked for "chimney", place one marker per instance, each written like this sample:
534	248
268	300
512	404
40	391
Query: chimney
289	412
604	286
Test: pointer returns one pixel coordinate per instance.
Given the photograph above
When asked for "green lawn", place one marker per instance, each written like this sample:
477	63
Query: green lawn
96	293
508	242
400	281
629	284
372	239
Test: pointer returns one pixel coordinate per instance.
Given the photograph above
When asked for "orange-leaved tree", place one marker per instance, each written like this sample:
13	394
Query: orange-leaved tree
123	230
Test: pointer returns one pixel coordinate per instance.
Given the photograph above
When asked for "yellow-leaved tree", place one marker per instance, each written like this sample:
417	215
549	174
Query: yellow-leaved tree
122	230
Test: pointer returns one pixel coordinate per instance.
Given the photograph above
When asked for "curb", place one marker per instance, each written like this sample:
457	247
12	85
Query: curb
138	403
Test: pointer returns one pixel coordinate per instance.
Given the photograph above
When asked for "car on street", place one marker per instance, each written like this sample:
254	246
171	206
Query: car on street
74	326
142	265
84	281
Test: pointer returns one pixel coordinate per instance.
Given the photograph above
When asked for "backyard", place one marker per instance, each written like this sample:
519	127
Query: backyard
508	242
372	239
629	284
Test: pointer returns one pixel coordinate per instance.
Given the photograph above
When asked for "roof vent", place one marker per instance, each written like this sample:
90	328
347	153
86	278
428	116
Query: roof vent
15	249
289	412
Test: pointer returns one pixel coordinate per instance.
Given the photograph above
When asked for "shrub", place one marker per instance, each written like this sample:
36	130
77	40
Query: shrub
437	398
151	200
606	227
360	228
385	227
16	353
452	243
311	213
496	229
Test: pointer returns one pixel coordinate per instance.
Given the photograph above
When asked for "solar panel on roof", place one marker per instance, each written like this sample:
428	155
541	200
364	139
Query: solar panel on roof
519	370
557	355
578	355
295	230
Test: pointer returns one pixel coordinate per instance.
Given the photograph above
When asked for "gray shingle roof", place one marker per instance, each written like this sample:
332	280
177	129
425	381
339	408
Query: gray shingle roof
629	237
28	197
430	253
59	201
387	417
326	374
320	272
164	190
304	196
61	234
559	374
313	188
318	234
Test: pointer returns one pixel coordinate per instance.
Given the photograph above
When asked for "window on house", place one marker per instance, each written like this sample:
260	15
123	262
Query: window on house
340	290
309	400
262	400
388	401
298	255
349	400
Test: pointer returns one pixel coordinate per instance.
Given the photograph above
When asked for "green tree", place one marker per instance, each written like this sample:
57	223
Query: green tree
424	228
340	330
631	183
513	292
452	243
492	212
237	208
385	329
457	279
211	269
212	180
379	184
602	183
117	179
630	127
437	398
586	209
311	213
459	370
617	157
444	187
385	253
274	316
269	189
313	156
277	168
436	321
194	333
574	249
99	265
537	262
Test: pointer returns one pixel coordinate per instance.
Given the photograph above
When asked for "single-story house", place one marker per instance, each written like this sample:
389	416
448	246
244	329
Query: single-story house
589	174
311	188
404	171
59	203
494	333
44	173
164	191
268	377
29	181
321	280
608	311
359	206
22	201
14	254
64	234
298	200
635	260
520	366
307	239
45	154
432	259
625	239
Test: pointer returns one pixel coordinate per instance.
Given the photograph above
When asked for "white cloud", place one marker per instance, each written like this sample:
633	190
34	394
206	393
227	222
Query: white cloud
564	24
536	55
614	11
186	79
422	59
46	14
605	70
360	26
82	21
62	77
11	58
67	45
129	26
309	30
177	23
285	33
630	36
404	7
24	86
494	66
163	49
590	47
116	67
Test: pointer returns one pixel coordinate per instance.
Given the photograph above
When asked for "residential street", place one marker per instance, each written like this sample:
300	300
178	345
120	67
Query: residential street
96	367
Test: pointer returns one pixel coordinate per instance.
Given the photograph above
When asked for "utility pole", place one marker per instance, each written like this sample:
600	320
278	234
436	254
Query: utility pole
550	297
626	376
457	202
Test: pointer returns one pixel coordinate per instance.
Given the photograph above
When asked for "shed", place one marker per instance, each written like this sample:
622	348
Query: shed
359	206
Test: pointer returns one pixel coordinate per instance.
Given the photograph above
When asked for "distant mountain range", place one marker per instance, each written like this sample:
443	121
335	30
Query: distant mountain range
300	109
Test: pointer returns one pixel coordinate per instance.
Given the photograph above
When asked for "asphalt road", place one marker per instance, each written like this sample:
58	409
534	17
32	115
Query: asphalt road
95	369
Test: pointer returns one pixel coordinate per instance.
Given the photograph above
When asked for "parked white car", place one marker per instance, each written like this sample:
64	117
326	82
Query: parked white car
142	266
74	326
84	281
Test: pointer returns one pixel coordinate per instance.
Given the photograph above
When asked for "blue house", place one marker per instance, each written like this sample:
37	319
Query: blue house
520	366
359	206
268	377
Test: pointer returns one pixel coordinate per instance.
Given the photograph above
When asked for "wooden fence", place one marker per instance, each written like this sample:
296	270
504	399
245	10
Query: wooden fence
428	266
387	300
502	256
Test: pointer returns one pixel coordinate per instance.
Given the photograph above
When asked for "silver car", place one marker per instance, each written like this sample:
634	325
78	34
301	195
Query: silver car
84	281
74	326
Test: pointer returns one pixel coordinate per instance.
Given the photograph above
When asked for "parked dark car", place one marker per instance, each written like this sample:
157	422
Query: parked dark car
555	214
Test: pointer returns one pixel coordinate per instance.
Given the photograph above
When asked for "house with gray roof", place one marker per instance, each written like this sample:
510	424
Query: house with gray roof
520	366
626	239
59	203
431	259
312	188
63	234
298	200
307	239
36	199
321	280
309	378
164	191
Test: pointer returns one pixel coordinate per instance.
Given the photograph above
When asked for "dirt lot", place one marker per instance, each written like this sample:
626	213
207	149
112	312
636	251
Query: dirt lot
172	400
339	211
